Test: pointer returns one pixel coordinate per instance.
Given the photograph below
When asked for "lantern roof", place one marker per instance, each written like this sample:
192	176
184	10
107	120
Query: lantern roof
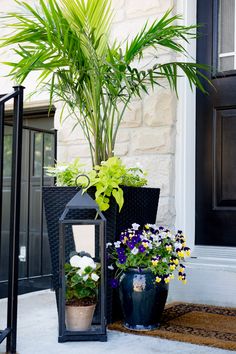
82	201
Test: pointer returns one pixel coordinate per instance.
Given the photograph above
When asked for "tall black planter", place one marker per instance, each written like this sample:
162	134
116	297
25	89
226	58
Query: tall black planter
140	206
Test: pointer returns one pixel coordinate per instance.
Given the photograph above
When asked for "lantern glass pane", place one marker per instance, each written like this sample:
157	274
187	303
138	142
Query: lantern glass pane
84	238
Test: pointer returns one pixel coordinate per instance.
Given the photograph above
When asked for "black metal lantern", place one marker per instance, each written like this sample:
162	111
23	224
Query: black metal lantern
82	229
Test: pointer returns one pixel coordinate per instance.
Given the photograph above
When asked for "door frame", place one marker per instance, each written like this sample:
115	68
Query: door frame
185	168
185	138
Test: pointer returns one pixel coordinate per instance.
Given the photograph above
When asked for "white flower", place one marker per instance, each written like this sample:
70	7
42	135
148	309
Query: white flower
85	277
134	250
163	235
94	276
110	267
135	226
178	245
117	244
75	261
153	226
108	244
86	262
155	237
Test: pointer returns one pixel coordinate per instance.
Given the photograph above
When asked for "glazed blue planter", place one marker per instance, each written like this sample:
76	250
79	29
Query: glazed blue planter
142	299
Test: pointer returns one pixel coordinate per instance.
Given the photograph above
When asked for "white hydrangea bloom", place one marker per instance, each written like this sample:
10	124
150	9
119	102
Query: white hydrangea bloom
75	261
86	262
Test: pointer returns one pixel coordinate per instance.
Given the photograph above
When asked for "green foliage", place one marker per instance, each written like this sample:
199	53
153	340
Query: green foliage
68	43
107	179
66	174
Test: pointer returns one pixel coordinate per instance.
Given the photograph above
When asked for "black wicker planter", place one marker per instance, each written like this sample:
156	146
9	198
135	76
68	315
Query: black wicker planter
140	206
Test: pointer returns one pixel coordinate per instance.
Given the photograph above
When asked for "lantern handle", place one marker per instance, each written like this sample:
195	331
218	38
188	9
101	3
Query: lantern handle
84	175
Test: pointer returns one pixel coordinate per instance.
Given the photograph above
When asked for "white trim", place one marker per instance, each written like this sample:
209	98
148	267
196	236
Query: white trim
214	252
186	154
228	54
234	34
212	269
185	140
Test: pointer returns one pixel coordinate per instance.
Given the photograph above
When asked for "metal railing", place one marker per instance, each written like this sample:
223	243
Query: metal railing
10	332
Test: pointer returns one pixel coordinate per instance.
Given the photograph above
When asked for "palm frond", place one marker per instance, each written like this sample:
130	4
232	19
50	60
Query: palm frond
67	43
163	32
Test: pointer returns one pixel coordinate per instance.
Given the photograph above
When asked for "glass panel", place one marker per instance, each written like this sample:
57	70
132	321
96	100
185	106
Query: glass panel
38	140
84	237
226	63
48	151
7	151
226	26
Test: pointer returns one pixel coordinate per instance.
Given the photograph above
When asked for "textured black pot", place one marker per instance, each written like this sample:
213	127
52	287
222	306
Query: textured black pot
140	206
142	299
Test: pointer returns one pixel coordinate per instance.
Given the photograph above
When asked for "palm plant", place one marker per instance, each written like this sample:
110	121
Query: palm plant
67	41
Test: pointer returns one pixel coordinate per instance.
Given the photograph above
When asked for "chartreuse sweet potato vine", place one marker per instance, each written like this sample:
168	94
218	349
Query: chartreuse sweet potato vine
67	42
106	178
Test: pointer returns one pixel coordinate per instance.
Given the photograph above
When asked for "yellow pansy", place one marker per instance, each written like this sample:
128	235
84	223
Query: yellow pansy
145	244
181	254
154	262
188	253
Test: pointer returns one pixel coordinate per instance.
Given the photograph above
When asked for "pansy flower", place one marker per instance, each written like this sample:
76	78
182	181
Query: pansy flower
180	252
114	283
187	251
167	278
141	248
122	258
151	247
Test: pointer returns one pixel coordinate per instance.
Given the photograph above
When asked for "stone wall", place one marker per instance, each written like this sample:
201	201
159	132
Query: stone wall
147	133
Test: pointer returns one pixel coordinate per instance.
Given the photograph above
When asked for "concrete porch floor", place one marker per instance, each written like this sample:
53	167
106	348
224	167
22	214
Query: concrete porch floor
37	334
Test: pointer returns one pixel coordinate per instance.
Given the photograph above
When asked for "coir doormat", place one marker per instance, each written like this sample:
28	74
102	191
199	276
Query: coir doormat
196	324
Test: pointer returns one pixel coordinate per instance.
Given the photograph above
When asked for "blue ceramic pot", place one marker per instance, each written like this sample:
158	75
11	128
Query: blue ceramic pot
142	299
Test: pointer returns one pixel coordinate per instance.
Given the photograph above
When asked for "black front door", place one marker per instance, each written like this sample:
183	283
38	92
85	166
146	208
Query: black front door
216	126
38	151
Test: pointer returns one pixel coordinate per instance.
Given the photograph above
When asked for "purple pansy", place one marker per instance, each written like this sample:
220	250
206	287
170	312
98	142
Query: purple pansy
114	283
122	259
141	248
